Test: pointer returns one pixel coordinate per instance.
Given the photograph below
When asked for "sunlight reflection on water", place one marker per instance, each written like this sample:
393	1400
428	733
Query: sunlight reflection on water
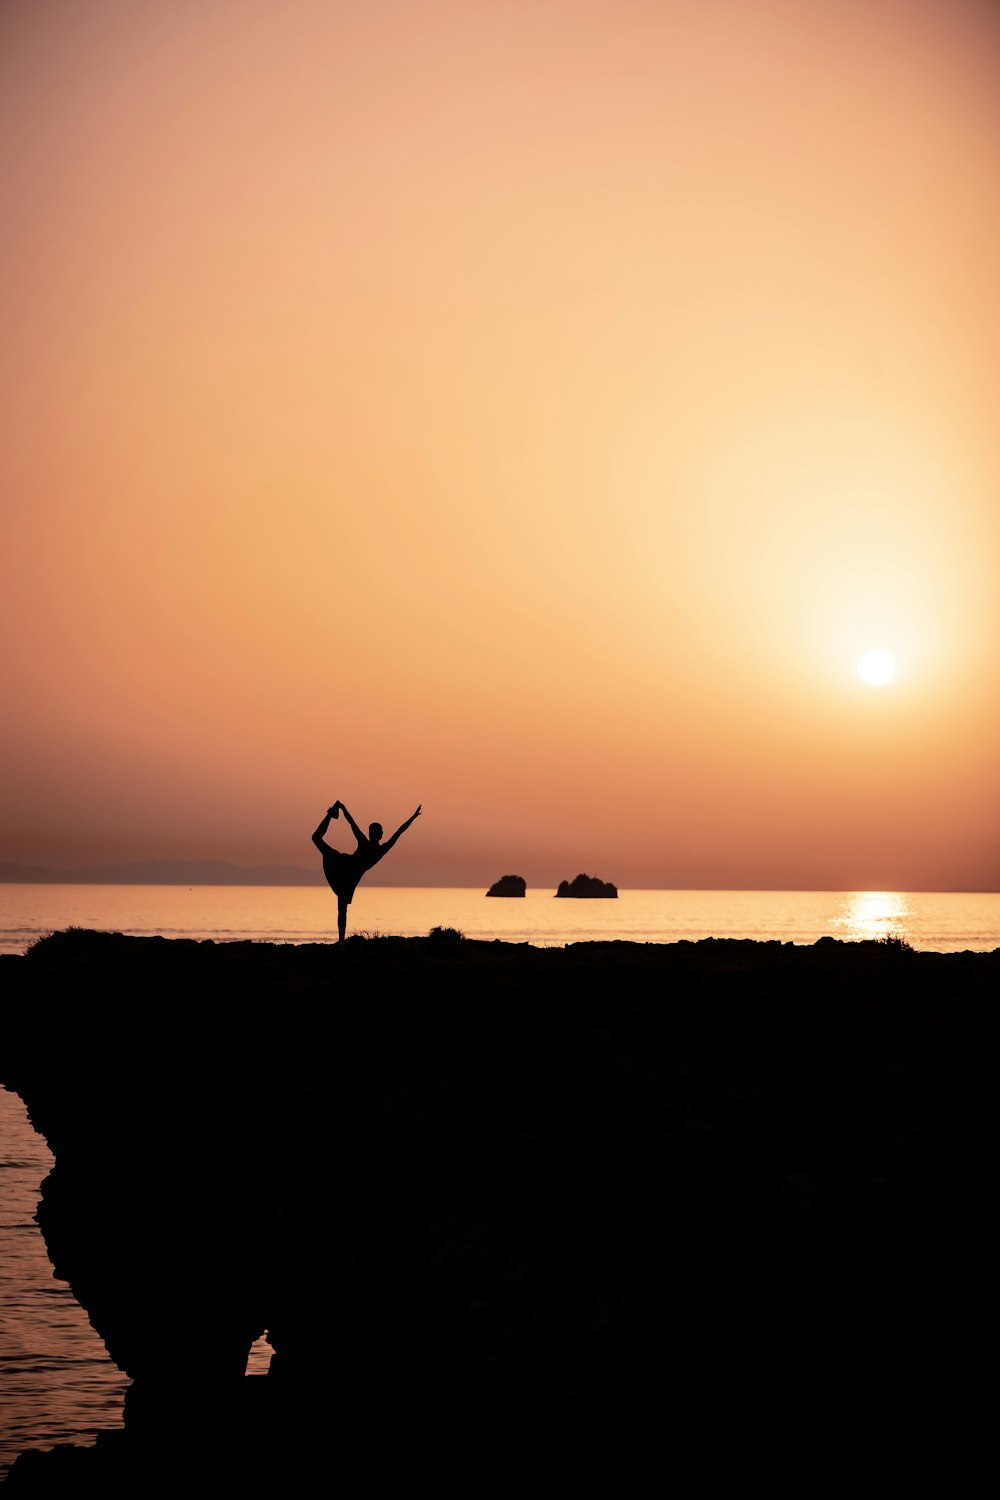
873	914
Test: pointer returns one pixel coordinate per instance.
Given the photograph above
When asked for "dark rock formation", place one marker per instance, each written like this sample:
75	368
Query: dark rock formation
587	886
610	1216
508	885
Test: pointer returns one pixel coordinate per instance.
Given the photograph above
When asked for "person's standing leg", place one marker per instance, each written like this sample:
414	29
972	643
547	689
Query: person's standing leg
341	917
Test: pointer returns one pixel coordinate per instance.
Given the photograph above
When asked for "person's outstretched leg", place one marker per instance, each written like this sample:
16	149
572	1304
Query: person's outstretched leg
341	918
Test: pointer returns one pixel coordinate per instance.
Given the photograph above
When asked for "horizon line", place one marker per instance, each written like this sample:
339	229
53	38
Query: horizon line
91	876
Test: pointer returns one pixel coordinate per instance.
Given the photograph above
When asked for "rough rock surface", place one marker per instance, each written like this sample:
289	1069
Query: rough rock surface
613	1216
587	886
508	885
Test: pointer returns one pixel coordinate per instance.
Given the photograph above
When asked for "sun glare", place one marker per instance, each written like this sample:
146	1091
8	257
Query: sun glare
877	668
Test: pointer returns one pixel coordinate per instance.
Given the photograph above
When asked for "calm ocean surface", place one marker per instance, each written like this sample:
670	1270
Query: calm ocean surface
56	1382
307	914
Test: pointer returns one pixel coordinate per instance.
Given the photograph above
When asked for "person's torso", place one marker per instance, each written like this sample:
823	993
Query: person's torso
360	859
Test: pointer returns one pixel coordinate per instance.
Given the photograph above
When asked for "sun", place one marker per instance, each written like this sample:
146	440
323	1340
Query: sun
877	668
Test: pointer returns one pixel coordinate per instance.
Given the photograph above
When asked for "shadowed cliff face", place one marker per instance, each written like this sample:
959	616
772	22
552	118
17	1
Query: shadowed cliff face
614	1212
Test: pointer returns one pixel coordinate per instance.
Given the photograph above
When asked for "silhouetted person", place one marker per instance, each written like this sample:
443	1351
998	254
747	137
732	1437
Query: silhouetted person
343	871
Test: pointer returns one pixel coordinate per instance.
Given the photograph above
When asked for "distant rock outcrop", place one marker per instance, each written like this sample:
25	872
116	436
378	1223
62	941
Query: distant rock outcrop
508	885
587	885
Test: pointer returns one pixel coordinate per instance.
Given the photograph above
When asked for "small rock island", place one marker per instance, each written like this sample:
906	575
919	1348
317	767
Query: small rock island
508	885
587	886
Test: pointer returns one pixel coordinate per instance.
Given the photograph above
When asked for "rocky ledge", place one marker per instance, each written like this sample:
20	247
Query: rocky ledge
613	1216
587	886
508	885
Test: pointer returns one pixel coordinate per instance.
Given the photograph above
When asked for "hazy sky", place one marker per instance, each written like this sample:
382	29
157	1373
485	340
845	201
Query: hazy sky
523	407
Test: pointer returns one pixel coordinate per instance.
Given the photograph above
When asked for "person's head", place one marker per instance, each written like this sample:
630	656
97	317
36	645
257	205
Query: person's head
375	832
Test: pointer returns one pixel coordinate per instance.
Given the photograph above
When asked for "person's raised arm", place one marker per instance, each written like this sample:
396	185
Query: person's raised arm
321	830
401	829
354	827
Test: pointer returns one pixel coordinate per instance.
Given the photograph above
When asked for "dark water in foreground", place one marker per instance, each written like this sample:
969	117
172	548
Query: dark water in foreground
57	1384
56	1380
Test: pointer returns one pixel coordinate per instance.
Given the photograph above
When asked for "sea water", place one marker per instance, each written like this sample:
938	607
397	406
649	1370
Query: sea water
57	1383
942	922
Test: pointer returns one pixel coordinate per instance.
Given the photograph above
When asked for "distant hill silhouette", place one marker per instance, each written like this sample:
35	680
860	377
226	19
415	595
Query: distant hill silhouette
161	872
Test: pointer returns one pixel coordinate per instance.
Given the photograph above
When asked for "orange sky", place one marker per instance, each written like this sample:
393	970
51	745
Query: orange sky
525	407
